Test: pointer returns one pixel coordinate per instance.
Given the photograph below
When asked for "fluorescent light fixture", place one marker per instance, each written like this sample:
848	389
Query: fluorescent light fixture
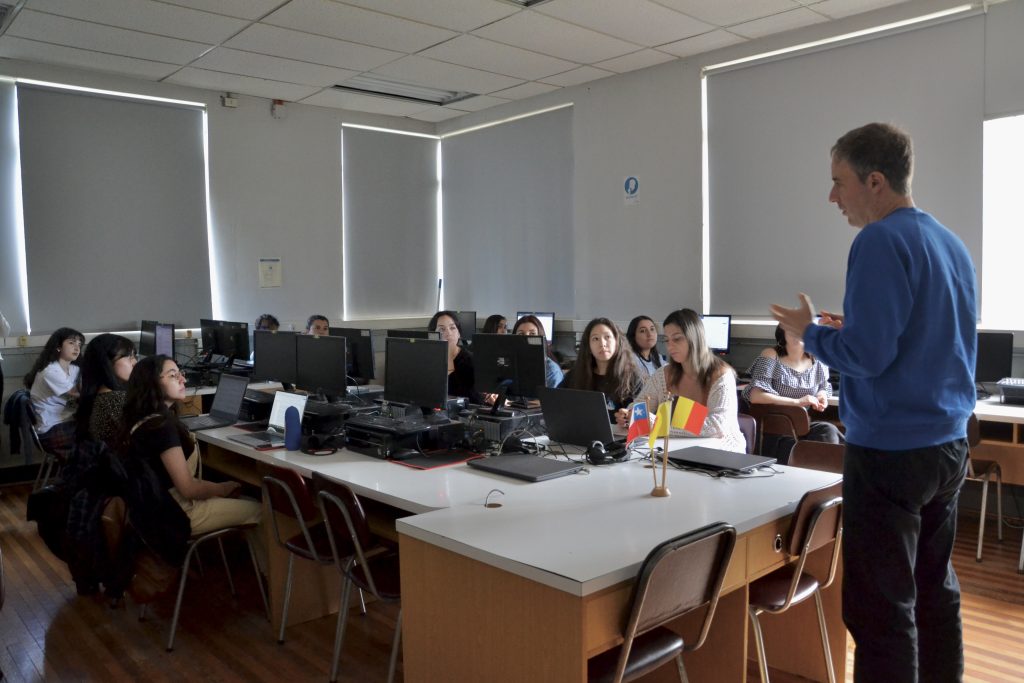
382	86
841	38
19	212
705	199
110	93
390	130
439	221
506	120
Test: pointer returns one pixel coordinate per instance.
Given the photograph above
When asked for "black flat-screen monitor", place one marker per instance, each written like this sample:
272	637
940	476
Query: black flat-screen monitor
416	372
147	338
717	332
995	356
508	363
164	340
359	354
548	319
320	364
225	338
414	334
467	324
275	357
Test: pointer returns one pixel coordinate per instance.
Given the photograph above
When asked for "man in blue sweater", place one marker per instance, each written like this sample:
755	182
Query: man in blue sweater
905	347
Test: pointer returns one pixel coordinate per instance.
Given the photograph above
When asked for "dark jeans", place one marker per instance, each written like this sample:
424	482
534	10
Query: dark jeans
901	597
779	447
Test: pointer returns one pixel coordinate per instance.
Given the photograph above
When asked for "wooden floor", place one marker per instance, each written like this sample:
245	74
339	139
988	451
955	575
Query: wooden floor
49	633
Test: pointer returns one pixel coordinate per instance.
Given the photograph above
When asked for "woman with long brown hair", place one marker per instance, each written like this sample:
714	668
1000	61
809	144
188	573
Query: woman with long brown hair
605	363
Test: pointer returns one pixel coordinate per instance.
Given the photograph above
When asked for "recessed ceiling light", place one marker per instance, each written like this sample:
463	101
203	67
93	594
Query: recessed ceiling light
381	86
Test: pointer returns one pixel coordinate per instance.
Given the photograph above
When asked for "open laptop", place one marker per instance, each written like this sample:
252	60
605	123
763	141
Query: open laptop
526	467
716	460
274	434
577	417
227	403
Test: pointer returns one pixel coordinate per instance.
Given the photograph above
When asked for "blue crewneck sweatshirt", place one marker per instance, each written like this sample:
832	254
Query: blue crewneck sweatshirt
907	345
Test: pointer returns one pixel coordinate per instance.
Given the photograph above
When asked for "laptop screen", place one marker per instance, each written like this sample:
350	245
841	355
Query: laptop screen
230	392
282	401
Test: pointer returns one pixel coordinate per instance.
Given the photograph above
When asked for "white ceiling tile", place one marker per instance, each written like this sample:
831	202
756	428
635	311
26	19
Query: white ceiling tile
244	85
640	59
339	99
150	17
437	114
638	21
521	92
777	23
458	15
478	103
423	71
283	42
274	68
244	9
729	12
503	59
81	34
844	8
550	36
577	76
335	20
34	51
705	43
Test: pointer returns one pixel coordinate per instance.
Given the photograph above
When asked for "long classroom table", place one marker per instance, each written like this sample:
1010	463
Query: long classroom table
530	590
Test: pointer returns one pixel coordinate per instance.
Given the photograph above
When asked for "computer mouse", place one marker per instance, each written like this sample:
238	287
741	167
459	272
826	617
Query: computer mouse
403	454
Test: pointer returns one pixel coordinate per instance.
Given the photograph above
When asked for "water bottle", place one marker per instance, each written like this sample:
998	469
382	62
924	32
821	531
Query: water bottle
292	429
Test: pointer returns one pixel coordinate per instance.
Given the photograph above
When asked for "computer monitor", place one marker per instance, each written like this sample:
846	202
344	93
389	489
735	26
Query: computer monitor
359	353
995	356
147	338
320	364
547	318
416	372
225	338
164	340
467	324
510	364
275	357
717	332
414	334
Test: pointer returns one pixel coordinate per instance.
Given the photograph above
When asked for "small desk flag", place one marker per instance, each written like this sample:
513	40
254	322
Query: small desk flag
639	422
689	415
661	421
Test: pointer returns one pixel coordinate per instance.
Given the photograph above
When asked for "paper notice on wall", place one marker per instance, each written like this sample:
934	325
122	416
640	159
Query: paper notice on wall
270	272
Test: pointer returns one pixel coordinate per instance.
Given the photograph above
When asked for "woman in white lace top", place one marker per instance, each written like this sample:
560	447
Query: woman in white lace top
695	372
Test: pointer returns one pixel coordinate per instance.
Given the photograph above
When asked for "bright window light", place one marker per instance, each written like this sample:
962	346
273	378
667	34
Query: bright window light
1002	241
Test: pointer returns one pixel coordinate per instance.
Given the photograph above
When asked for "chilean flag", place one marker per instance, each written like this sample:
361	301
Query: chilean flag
639	422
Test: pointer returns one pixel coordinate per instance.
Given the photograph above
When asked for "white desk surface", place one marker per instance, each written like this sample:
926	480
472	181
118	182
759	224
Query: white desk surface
988	409
210	390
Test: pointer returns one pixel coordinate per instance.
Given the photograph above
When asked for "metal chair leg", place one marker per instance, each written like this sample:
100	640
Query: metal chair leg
681	666
999	500
339	629
287	598
984	511
762	660
394	648
181	593
227	569
259	580
362	602
824	637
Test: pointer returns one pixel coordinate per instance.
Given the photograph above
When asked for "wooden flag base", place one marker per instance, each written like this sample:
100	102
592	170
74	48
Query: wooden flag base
661	492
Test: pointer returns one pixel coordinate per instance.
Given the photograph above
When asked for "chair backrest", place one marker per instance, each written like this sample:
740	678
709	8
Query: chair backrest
287	494
748	426
817	521
347	529
818	455
782	420
678	576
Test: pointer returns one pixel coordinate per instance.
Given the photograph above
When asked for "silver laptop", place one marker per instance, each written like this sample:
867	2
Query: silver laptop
227	403
717	460
274	434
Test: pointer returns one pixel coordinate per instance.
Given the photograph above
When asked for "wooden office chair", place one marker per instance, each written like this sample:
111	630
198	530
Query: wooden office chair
748	426
985	471
817	521
678	576
776	420
817	455
361	558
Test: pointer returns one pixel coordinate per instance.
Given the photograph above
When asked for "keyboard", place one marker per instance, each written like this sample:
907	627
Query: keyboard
1011	382
385	424
258	396
202	422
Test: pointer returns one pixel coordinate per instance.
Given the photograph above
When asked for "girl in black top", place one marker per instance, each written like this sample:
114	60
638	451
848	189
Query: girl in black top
107	363
461	375
605	363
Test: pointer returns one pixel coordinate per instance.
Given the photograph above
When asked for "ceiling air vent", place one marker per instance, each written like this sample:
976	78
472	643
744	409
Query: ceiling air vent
381	86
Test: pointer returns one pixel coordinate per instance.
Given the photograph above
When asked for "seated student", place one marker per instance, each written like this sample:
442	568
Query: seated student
787	375
495	324
642	334
531	326
605	364
107	364
318	325
152	432
267	322
461	375
695	372
53	382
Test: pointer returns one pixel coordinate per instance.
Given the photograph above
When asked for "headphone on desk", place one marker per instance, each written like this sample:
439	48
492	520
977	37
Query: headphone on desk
323	444
598	455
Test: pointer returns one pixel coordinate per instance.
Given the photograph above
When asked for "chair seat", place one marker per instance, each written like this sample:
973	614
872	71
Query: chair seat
984	468
769	593
321	545
384	569
649	651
